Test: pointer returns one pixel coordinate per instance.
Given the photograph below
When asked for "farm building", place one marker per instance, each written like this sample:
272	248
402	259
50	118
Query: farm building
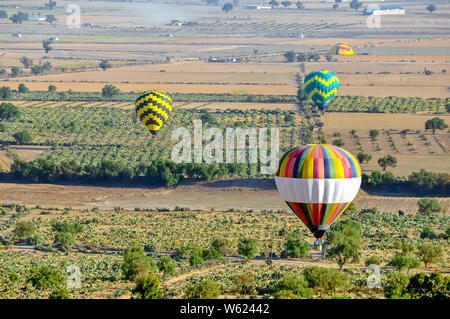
258	7
384	11
36	18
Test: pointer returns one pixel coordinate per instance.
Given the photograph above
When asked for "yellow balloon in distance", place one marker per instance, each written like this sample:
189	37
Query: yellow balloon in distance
153	109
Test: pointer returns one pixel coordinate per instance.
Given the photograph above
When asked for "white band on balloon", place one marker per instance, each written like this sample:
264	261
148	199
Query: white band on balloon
327	191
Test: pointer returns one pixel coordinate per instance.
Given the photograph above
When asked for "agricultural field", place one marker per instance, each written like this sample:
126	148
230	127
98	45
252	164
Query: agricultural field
105	234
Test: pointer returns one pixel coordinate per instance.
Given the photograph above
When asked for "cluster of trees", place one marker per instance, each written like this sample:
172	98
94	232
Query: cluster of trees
419	286
157	172
292	56
426	253
422	182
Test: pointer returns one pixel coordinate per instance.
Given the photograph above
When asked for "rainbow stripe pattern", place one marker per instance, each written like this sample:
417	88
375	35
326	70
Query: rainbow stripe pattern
321	86
342	49
318	182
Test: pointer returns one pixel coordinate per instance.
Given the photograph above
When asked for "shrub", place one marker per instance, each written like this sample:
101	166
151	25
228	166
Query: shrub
167	265
297	248
65	239
210	254
429	254
45	277
61	293
293	287
338	142
248	248
432	286
136	263
221	244
428	232
372	260
325	278
23	230
402	261
206	289
147	287
395	285
8	111
22	137
245	283
429	205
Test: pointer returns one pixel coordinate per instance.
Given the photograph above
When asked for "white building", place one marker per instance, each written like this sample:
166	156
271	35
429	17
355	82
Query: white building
258	7
36	18
383	11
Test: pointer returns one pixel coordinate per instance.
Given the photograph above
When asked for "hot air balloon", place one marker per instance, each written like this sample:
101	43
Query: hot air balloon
341	49
321	86
318	182
153	108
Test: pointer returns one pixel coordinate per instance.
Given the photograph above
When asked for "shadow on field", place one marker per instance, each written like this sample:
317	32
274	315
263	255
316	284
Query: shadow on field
267	184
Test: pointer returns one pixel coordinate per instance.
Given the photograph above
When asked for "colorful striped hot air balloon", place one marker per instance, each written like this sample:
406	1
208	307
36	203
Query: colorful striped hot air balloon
318	182
341	49
153	108
321	86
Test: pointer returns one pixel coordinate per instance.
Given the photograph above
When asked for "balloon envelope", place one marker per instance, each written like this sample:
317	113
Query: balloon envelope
318	182
153	109
341	49
321	86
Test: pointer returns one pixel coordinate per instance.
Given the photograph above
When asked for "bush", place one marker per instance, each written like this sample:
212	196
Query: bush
293	287
429	254
221	244
2	127
61	293
395	285
325	278
428	232
136	263
297	248
245	283
8	111
147	287
45	277
429	205
338	142
372	260
432	286
248	248
167	265
402	261
22	88
65	239
23	230
22	137
210	254
206	289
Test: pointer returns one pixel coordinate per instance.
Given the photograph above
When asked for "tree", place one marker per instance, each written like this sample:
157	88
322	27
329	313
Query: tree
403	261
15	71
50	18
245	283
19	17
363	157
372	260
344	242
300	5
27	62
274	3
8	111
3	14
286	4
51	88
435	123
374	134
432	286
227	7
290	56
61	293
429	205
45	277
210	254
221	244
64	239
335	6
355	4
431	8
22	137
46	46
109	91
429	254
5	93
296	247
23	230
292	286
206	289
22	88
136	263
248	248
325	278
104	64
37	69
395	284
338	142
50	4
386	161
147	287
167	265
